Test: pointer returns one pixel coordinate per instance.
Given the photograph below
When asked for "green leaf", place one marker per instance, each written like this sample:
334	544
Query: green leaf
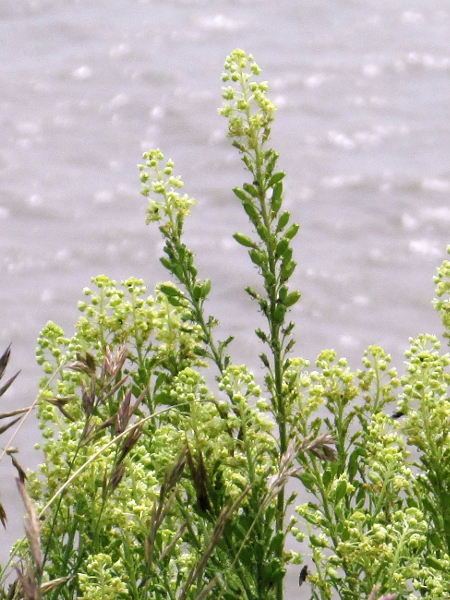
292	298
341	490
247	160
289	346
271	156
225	343
308	481
277	197
251	292
172	267
277	575
251	189
282	295
292	231
262	232
279	313
326	478
265	360
353	462
276	178
281	248
283	221
206	287
287	270
244	240
169	290
173	301
241	194
257	257
262	336
276	543
251	211
287	256
198	291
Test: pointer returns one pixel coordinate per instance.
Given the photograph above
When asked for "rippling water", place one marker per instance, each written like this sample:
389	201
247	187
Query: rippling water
363	131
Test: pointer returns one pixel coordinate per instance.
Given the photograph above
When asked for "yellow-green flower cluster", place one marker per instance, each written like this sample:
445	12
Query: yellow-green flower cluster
158	181
442	303
103	579
246	105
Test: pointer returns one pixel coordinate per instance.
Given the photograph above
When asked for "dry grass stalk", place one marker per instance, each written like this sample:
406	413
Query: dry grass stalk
4	359
31	527
205	591
222	519
168	549
15	462
374	592
200	479
49	586
162	507
28	586
321	446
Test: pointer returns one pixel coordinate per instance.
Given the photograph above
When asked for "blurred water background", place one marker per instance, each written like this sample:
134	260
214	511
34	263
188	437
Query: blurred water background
363	90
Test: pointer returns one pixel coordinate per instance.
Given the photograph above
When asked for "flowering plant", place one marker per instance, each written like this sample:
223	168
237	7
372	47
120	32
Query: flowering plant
157	484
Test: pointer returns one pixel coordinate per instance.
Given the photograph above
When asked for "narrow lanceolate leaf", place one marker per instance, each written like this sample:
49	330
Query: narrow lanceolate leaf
277	197
287	270
241	194
292	298
292	231
276	178
271	158
279	313
251	211
3	517
172	267
257	257
170	290
4	360
262	336
244	240
251	189
173	301
251	292
341	490
263	232
198	291
281	248
283	221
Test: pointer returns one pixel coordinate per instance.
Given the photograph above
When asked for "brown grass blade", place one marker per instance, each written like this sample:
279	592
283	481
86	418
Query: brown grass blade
20	471
200	479
3	517
162	507
7	384
8	425
4	358
321	446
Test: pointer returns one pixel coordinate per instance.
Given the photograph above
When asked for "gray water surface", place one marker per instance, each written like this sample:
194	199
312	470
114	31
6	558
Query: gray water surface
363	91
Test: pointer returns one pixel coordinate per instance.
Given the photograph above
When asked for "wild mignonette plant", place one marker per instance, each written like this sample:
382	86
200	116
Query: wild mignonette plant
157	485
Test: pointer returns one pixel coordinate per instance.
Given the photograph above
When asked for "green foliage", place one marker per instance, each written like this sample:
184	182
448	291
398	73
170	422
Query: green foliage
157	484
